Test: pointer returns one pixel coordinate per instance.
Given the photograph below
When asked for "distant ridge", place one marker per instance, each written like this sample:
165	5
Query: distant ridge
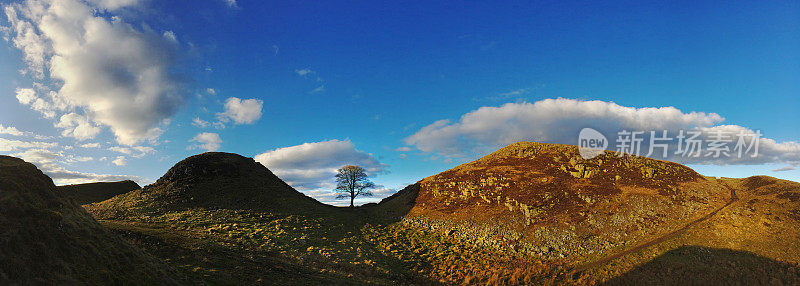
45	239
95	192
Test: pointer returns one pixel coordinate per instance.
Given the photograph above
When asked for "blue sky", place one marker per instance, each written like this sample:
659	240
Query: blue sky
372	75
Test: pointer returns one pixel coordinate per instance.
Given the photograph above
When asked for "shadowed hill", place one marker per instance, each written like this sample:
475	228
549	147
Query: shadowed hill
546	200
211	180
47	240
95	192
697	265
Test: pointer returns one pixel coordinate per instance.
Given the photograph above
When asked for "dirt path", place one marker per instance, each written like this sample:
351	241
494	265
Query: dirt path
652	242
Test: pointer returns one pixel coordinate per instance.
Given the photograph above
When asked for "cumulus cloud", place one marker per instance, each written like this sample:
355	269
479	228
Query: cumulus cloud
47	108
207	141
10	130
311	166
120	161
104	70
241	111
560	120
77	126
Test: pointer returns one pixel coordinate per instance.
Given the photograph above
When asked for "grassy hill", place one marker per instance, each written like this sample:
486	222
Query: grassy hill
212	180
45	239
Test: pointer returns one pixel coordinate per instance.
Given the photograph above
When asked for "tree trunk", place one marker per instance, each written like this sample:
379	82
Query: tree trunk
351	201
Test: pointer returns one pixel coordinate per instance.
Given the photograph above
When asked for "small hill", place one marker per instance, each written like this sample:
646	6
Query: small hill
546	200
45	239
212	180
95	192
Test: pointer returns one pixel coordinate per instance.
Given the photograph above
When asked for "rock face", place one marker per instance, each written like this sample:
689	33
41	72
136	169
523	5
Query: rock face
45	239
96	192
546	199
210	180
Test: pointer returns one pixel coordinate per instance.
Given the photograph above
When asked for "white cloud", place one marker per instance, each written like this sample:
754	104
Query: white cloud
77	126
28	96
207	141
789	167
304	72
10	130
37	155
329	197
71	158
120	161
91	145
241	111
200	123
115	4
105	70
312	166
560	120
514	92
12	145
231	3
321	88
135	151
47	161
403	149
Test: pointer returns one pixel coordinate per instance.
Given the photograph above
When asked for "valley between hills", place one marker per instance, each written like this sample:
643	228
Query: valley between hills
527	214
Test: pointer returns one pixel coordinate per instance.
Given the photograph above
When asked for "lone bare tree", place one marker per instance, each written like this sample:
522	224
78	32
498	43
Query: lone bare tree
351	182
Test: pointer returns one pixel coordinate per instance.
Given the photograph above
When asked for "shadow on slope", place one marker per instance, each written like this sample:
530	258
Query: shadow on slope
47	240
695	265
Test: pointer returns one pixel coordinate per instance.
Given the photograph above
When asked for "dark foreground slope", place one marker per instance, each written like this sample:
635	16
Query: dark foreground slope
95	192
47	240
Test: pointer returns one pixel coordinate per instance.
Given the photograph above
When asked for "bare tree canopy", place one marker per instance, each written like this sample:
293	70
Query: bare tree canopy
351	182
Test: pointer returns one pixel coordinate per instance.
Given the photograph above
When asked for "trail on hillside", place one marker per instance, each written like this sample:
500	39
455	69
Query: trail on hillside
654	241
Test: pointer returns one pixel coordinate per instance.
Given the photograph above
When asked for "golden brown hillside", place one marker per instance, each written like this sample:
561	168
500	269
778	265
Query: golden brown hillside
547	201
